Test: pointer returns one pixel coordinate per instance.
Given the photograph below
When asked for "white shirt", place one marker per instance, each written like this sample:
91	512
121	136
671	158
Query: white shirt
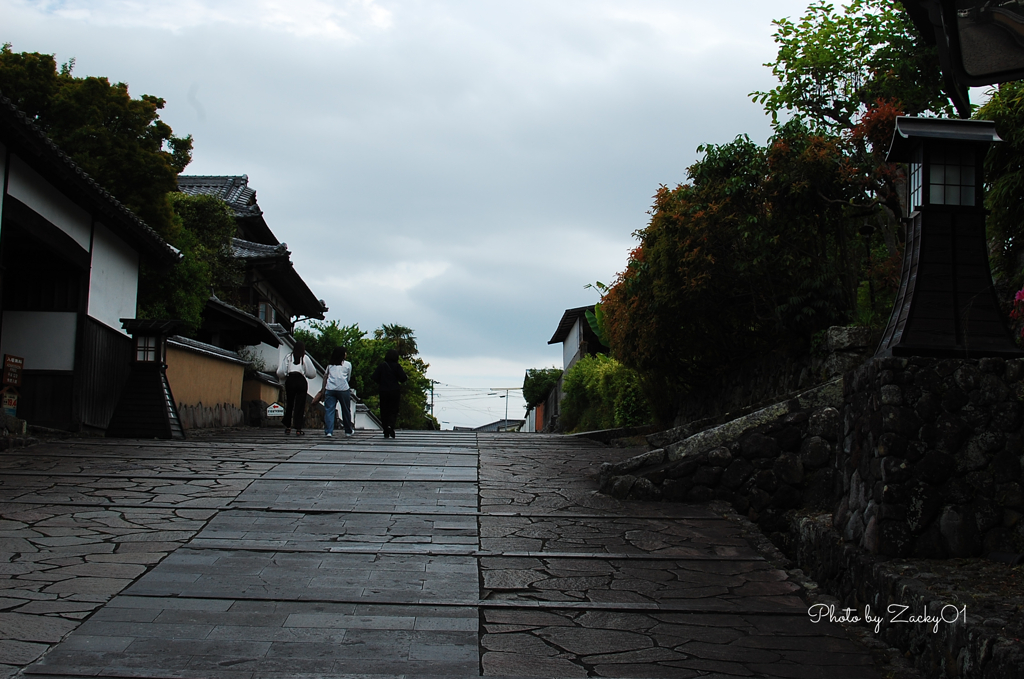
289	366
338	376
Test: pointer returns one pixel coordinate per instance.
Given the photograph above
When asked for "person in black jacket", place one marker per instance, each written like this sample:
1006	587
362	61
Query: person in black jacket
389	375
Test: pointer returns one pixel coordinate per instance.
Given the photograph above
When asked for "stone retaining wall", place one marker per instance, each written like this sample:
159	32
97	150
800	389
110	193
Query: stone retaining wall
931	457
764	463
967	645
199	416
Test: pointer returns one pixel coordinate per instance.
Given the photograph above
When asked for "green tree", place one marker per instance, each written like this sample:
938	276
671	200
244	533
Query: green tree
538	383
205	228
834	65
400	337
1004	174
120	141
752	256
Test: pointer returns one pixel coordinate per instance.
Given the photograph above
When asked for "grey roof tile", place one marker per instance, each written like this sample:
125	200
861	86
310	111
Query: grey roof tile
246	249
233	190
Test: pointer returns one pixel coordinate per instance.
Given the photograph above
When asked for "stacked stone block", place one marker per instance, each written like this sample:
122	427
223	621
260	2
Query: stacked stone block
930	463
773	460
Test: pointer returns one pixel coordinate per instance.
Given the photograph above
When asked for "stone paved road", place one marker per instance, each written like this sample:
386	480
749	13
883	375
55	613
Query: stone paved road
435	554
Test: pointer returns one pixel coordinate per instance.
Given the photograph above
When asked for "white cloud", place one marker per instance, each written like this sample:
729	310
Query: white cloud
396	277
343	19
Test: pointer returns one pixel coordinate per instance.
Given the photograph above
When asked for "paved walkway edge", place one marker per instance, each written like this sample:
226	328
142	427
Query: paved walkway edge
966	649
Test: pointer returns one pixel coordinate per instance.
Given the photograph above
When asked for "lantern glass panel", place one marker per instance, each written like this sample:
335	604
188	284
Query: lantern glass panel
145	349
951	176
915	180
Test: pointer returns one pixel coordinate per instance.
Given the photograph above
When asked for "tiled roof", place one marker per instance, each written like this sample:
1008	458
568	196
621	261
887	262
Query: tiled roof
267	334
246	249
499	425
568	319
234	191
206	349
24	134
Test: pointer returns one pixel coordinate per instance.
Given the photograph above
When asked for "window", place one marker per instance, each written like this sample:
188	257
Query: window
951	176
915	180
267	313
145	349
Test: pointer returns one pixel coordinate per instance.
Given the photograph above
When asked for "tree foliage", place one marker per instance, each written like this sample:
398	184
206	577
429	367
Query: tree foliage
365	354
120	141
834	65
753	255
538	383
205	226
1004	174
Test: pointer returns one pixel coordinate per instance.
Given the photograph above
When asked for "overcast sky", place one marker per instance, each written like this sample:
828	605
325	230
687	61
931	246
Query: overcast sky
461	167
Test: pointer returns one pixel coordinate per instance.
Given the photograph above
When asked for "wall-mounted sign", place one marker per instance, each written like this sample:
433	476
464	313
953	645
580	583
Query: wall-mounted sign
12	370
9	402
275	410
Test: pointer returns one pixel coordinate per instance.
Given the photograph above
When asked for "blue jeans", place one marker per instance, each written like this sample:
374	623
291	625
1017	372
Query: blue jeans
331	399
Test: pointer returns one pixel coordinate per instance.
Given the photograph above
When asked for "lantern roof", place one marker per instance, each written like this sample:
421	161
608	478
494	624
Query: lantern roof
909	129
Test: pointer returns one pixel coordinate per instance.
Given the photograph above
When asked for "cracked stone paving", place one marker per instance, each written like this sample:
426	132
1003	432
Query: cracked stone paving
249	554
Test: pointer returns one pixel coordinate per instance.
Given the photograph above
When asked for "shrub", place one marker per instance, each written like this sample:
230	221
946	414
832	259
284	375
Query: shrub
601	393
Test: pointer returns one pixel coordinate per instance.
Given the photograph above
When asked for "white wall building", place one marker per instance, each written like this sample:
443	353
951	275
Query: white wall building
70	258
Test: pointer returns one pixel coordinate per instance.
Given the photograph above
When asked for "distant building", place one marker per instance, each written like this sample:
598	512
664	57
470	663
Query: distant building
576	336
578	339
499	425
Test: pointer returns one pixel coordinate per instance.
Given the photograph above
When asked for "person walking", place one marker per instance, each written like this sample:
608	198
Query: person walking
389	375
337	390
294	369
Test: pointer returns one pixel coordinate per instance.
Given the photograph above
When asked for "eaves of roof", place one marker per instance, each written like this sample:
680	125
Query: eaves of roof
568	319
264	331
289	283
22	136
248	250
275	265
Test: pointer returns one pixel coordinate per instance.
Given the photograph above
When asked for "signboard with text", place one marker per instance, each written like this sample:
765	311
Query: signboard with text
12	370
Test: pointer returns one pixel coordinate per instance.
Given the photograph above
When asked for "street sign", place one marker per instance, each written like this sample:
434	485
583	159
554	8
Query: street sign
275	410
12	370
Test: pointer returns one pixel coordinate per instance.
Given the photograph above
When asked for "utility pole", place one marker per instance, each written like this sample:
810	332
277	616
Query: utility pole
506	390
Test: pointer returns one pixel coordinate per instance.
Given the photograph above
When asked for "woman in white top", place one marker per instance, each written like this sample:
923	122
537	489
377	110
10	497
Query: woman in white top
295	368
337	390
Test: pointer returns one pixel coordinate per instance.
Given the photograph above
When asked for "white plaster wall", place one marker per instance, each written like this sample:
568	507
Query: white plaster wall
274	356
571	344
531	420
362	420
113	279
26	185
45	339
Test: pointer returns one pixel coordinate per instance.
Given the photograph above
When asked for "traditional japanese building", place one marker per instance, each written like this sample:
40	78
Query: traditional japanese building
70	256
272	290
261	313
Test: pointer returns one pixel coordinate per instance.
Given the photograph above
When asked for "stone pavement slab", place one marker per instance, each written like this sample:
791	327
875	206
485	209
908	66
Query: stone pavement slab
434	554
